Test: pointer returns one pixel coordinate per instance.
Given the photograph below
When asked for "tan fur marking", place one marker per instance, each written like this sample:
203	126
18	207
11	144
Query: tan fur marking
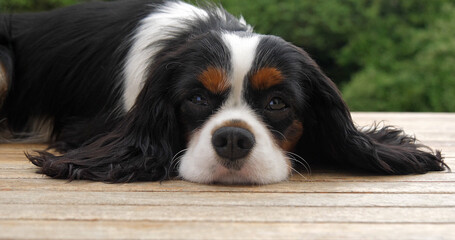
265	78
292	134
233	123
214	79
3	84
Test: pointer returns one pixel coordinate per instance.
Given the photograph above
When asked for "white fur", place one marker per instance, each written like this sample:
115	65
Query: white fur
157	26
243	52
265	164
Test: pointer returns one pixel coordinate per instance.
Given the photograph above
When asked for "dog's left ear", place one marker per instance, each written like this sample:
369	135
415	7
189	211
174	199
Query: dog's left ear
330	134
139	148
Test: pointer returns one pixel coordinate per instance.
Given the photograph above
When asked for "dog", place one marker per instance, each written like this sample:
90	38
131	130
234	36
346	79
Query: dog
143	90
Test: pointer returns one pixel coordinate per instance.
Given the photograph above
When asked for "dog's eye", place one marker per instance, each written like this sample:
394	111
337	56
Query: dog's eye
199	100
276	104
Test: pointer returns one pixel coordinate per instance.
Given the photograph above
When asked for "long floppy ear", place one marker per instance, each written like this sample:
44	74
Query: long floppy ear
330	133
139	148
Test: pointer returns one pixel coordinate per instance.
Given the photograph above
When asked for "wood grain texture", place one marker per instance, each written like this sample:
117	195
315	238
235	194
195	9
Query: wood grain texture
46	229
327	204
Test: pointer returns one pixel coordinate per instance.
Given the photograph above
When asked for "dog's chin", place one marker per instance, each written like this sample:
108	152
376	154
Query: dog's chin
214	172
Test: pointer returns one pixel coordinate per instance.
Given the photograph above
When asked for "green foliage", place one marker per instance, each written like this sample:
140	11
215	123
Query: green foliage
410	67
387	55
34	5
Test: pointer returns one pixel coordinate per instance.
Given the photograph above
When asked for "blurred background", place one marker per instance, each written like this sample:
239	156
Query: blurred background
384	55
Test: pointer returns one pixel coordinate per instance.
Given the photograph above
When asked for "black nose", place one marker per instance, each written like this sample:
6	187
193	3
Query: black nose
232	142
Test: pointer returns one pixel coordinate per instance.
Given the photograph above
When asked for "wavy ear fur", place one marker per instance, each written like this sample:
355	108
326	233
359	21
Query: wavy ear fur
139	148
330	133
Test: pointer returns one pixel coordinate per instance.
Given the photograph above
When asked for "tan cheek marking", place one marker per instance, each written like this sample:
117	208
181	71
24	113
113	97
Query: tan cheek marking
293	134
265	78
3	84
214	80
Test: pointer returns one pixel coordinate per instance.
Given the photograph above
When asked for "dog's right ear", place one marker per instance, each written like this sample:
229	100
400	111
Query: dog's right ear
140	147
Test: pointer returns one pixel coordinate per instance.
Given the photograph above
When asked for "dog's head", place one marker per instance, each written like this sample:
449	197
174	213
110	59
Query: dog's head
238	103
241	110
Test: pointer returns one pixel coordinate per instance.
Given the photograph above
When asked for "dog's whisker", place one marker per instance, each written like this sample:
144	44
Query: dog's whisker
178	154
300	174
175	161
279	133
298	159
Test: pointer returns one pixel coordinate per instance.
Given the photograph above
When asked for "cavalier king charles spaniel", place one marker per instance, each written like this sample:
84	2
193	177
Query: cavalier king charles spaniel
147	90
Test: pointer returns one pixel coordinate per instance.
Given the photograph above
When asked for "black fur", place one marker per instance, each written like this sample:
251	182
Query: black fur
73	76
86	46
385	150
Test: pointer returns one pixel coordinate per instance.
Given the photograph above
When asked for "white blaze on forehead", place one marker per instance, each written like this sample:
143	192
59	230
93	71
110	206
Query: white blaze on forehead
159	25
242	51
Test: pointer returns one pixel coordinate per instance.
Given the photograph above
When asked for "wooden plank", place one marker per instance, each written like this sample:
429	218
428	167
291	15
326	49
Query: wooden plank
409	124
427	127
183	186
24	229
20	147
363	205
408	116
226	199
228	213
428	137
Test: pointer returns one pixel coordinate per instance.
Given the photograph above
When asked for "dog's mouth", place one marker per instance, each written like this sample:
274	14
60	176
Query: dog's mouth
228	176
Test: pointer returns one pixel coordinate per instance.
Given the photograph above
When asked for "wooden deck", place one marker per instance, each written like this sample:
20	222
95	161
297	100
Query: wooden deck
325	205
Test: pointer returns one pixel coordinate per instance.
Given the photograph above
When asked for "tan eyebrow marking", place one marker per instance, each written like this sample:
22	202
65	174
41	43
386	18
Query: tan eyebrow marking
234	123
266	77
214	80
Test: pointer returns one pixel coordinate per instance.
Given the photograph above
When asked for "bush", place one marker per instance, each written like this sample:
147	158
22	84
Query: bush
414	70
386	55
34	5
